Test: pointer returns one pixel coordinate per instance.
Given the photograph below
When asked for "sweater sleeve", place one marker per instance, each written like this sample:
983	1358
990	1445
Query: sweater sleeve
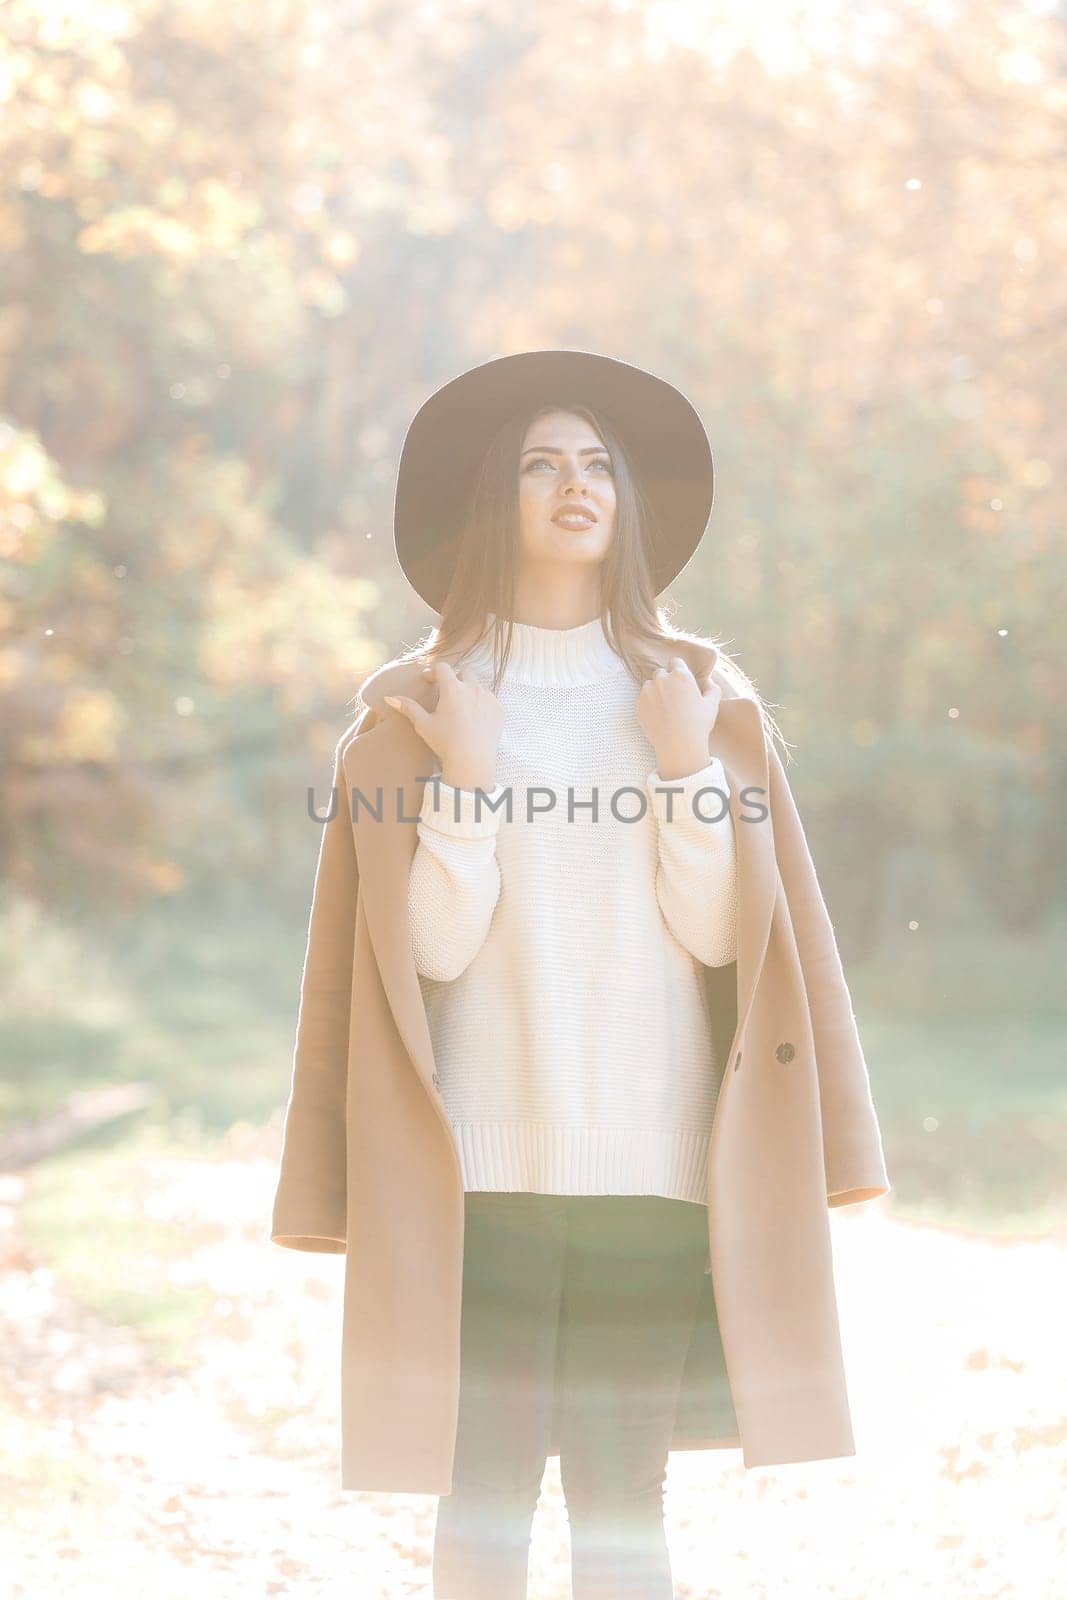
455	879
696	879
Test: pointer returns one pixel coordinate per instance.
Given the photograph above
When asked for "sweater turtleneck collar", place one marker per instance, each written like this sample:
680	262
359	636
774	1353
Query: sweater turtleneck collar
552	655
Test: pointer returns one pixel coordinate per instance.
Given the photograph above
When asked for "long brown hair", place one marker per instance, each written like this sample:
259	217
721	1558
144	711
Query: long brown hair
483	580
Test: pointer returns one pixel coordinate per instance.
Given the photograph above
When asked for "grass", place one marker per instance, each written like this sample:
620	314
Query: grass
972	1117
92	1211
966	1042
201	1010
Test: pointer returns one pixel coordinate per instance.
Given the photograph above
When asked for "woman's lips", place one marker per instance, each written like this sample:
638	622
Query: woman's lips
574	519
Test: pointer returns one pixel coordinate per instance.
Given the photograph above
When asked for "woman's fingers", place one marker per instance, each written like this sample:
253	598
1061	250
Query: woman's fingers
411	709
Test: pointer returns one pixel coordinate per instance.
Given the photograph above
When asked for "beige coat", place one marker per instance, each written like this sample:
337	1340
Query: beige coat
369	1165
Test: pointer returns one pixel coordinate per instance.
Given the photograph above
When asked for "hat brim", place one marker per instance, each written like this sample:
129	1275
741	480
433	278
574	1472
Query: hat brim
665	440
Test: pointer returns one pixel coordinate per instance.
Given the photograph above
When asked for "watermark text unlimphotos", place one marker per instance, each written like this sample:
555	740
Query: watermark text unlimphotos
542	799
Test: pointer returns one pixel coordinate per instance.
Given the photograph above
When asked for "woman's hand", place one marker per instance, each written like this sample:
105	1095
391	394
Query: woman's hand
464	728
678	718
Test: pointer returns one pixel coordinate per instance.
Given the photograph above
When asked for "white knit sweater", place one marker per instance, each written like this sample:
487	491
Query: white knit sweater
560	960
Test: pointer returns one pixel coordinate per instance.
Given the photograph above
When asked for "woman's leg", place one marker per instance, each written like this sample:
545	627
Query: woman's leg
634	1275
513	1256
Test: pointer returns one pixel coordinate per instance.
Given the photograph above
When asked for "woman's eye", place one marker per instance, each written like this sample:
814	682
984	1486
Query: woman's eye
598	462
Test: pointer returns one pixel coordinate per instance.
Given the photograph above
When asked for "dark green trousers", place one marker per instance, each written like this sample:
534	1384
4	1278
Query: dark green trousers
595	1294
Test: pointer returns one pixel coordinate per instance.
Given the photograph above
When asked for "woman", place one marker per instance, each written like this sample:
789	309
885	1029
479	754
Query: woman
571	906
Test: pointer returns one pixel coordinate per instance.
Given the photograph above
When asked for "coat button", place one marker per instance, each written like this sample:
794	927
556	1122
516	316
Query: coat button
737	1063
786	1051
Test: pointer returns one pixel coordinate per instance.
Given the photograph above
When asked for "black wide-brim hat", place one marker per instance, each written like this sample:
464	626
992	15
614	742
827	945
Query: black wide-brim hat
664	438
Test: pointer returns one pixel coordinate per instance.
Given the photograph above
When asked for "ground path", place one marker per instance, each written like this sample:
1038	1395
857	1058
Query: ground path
121	1475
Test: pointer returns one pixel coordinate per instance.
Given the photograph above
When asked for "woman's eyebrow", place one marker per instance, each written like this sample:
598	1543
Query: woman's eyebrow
554	450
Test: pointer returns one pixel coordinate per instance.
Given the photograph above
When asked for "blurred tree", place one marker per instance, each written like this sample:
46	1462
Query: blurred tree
241	245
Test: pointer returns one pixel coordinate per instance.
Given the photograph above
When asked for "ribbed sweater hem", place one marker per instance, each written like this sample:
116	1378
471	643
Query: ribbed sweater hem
548	1158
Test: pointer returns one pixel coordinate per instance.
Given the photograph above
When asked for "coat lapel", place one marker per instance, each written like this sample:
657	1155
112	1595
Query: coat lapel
384	765
738	740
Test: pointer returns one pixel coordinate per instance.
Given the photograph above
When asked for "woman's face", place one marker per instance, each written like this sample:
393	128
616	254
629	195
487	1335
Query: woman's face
565	467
